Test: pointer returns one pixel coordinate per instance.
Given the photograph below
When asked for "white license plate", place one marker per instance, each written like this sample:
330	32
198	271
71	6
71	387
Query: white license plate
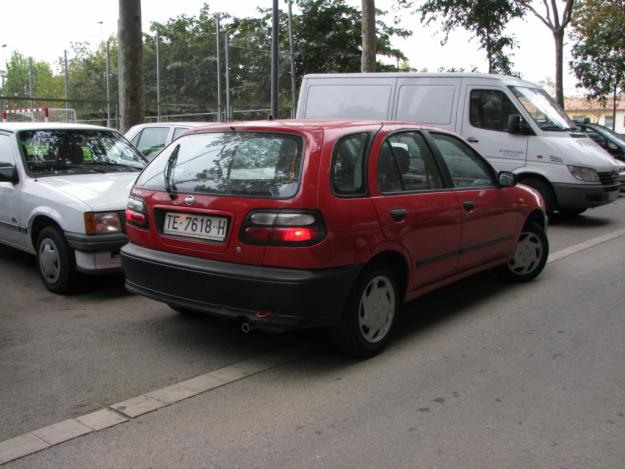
195	226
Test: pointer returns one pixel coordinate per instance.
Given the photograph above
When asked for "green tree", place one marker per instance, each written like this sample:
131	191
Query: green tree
599	50
486	20
45	83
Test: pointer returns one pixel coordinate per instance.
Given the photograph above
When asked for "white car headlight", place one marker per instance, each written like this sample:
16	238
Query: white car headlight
584	174
102	223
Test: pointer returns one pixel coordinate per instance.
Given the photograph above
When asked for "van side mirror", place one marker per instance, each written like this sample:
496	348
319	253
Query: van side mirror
9	174
517	125
506	179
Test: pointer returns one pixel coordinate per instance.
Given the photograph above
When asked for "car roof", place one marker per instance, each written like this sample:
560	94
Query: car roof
169	124
305	124
18	126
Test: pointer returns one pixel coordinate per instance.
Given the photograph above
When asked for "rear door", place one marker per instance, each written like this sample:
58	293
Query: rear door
414	206
489	216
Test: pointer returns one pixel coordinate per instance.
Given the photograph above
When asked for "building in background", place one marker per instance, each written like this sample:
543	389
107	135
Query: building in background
578	108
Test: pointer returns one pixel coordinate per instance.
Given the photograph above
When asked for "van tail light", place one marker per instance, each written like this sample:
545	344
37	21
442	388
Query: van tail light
283	228
137	213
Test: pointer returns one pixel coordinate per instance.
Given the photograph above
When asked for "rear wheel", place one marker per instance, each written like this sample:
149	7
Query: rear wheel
369	314
55	260
545	190
530	255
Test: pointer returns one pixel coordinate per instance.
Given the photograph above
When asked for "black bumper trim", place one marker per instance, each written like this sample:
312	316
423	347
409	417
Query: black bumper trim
582	196
297	298
96	243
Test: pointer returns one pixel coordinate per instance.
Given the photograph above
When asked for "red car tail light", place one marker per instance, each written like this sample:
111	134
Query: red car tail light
136	213
281	228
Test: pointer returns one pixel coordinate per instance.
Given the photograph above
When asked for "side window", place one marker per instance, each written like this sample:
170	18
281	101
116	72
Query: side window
152	140
348	163
179	131
6	153
406	164
489	109
466	167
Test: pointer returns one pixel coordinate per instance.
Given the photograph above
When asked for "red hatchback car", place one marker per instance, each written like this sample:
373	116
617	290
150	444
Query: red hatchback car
296	223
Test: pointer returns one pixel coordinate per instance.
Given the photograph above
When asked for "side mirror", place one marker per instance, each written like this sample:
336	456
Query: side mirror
518	125
506	179
9	174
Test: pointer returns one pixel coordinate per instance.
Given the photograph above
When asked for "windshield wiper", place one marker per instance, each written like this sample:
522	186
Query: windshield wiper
82	166
118	165
169	168
552	127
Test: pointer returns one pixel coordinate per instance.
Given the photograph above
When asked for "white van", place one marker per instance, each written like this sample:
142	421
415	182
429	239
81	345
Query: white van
512	122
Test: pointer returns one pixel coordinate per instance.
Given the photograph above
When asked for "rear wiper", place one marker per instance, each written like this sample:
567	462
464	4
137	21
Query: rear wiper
169	168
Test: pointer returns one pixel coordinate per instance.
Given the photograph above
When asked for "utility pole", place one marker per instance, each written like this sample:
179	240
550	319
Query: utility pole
227	66
292	59
158	79
65	82
367	63
218	52
30	81
131	87
274	60
108	84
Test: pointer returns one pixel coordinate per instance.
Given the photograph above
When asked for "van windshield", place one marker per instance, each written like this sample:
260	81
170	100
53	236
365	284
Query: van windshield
544	110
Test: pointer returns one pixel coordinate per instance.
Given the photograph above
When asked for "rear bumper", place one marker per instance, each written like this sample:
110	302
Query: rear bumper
582	196
296	298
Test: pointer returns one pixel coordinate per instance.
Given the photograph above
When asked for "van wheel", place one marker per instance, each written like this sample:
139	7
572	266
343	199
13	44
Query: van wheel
369	314
545	191
55	260
530	255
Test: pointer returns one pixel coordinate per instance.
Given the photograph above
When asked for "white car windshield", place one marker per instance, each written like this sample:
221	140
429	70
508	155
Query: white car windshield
544	110
53	152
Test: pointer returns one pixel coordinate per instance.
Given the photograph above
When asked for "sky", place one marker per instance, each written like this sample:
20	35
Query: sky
55	24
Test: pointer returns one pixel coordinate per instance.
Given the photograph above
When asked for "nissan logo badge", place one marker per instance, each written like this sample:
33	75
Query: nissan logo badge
189	200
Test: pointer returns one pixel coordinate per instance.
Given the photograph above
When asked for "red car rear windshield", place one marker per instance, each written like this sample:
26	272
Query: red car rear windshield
247	164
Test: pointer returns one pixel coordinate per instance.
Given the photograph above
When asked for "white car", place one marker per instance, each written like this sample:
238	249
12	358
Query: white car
150	139
63	192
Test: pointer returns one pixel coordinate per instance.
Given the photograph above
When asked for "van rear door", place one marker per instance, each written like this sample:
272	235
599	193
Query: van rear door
485	114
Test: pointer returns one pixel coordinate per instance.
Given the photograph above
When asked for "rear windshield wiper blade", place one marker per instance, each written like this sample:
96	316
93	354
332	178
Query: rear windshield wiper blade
169	169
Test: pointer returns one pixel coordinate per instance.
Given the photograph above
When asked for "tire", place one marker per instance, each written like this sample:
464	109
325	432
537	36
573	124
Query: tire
530	255
55	260
545	190
364	335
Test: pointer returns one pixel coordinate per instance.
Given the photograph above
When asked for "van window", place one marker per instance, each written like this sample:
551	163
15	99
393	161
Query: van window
406	164
348	101
426	104
466	167
489	109
348	175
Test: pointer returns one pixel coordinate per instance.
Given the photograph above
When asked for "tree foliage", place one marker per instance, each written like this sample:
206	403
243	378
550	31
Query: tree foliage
599	50
45	83
486	20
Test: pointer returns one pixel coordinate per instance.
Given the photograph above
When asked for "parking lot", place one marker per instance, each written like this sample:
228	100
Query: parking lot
478	374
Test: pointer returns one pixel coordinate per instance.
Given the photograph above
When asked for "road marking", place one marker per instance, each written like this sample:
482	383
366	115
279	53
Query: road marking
566	252
122	412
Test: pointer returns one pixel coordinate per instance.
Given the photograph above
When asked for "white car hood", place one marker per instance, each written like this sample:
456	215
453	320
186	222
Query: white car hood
101	192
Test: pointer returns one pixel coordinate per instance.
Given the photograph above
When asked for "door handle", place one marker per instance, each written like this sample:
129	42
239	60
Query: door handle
468	205
398	214
472	140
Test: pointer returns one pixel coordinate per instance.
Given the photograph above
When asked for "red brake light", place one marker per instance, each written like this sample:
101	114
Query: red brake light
135	218
283	228
136	212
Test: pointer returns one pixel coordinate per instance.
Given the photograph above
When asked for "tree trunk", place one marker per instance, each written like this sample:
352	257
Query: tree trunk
558	36
131	86
614	106
367	63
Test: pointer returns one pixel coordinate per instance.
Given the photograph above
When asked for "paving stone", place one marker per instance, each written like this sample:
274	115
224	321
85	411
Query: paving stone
102	418
137	406
202	383
171	394
62	431
20	446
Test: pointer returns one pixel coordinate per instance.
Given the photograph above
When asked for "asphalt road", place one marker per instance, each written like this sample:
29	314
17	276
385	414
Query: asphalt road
479	374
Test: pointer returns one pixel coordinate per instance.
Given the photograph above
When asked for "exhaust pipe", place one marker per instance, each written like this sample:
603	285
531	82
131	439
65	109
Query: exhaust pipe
245	327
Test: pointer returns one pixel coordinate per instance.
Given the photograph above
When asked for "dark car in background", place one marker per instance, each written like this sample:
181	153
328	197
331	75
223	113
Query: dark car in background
609	140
